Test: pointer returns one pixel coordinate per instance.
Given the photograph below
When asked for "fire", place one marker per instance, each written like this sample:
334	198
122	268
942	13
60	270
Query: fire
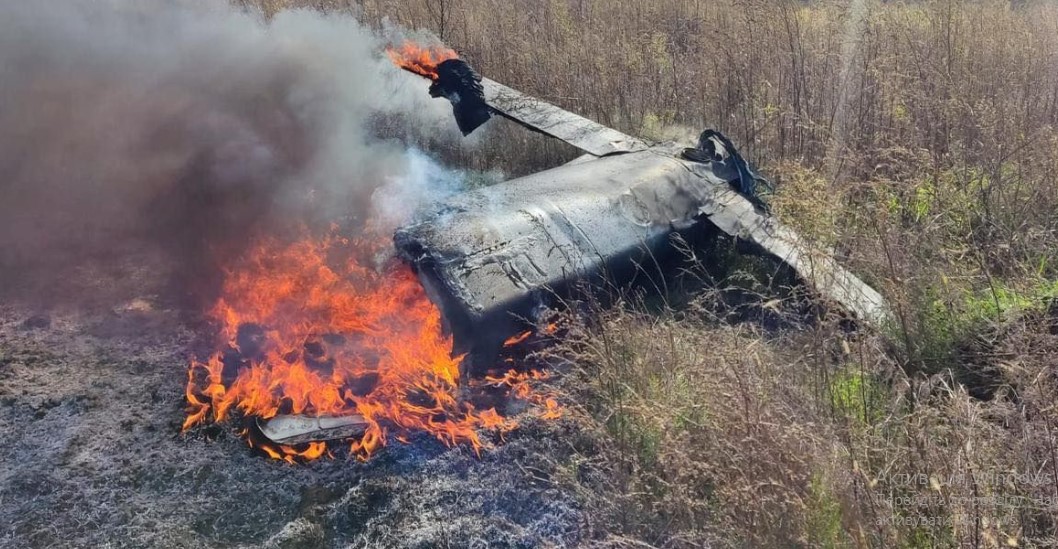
421	60
312	451
311	328
516	339
520	385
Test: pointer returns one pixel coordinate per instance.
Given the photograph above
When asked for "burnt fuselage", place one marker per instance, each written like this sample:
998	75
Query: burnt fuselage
491	257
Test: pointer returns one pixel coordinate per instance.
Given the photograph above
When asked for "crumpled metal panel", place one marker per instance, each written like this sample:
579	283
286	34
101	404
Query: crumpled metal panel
587	135
297	429
489	256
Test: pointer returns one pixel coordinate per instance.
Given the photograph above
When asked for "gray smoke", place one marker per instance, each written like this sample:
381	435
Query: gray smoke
190	127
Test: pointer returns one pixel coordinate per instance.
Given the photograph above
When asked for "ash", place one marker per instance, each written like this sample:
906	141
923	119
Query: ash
91	403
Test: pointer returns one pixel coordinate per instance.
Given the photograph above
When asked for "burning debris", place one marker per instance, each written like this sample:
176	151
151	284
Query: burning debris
362	332
452	79
317	344
495	256
119	137
166	161
419	59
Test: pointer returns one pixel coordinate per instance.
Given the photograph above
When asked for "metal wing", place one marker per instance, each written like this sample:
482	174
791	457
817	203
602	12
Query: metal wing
588	136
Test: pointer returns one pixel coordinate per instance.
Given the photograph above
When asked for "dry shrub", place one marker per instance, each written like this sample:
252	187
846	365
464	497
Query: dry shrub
717	434
710	439
813	207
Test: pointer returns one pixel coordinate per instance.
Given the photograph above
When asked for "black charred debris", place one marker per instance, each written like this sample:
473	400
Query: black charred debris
461	86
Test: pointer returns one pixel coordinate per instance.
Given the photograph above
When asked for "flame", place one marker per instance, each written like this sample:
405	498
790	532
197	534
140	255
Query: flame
421	60
313	450
520	385
518	338
308	328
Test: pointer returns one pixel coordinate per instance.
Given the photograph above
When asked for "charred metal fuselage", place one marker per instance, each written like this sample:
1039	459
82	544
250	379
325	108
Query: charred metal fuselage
492	258
489	257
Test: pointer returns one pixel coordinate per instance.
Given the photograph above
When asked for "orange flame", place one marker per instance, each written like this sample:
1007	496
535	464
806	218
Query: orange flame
308	328
517	338
421	60
519	385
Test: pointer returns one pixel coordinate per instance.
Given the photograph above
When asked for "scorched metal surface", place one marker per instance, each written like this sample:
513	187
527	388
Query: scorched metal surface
490	256
487	256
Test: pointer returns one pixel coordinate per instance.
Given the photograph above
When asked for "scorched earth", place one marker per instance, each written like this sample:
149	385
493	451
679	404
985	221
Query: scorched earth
91	407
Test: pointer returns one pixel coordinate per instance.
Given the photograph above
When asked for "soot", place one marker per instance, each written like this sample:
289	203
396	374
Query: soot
458	83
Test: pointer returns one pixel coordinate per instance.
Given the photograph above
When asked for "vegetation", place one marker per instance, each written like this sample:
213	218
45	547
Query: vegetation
919	141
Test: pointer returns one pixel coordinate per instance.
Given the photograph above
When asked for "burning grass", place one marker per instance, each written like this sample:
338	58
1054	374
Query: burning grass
95	463
313	327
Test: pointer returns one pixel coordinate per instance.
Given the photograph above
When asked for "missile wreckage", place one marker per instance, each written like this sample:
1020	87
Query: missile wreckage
488	257
493	258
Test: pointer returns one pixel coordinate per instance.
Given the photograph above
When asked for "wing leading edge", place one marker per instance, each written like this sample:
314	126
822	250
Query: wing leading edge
587	135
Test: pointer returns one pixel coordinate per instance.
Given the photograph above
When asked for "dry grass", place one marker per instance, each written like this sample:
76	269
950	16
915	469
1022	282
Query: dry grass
718	434
916	139
709	439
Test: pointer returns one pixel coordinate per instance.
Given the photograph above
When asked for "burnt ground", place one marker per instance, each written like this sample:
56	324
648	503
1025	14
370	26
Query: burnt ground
90	409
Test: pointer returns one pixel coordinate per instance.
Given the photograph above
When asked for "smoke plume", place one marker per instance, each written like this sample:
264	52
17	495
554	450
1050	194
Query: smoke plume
187	128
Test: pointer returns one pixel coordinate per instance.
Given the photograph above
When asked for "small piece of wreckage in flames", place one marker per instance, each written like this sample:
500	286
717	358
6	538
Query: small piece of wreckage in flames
317	352
317	346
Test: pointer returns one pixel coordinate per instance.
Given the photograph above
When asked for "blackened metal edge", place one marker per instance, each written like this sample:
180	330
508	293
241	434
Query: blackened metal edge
457	82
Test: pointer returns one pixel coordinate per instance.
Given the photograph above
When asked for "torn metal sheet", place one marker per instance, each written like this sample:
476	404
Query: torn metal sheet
291	430
587	135
490	256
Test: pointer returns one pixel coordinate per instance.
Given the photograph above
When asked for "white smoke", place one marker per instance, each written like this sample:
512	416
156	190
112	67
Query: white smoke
189	125
424	182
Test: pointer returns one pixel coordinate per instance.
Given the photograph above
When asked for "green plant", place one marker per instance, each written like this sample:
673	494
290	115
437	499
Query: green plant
823	519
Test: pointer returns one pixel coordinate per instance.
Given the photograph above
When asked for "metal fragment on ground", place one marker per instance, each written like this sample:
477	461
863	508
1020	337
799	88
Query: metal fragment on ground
294	429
